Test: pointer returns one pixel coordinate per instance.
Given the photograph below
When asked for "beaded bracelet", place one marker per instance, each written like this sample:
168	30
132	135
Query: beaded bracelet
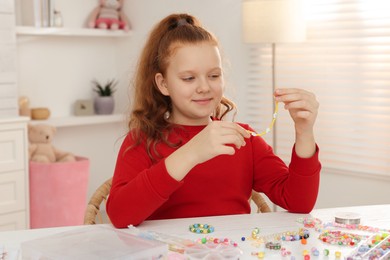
283	236
271	125
201	228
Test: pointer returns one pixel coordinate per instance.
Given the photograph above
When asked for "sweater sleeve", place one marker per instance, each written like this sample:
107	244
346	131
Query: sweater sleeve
138	187
294	187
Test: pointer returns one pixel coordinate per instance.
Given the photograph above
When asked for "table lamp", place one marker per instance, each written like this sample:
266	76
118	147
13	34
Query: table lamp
273	21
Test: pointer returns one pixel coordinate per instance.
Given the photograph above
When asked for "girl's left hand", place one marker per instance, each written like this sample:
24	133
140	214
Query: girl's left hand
302	106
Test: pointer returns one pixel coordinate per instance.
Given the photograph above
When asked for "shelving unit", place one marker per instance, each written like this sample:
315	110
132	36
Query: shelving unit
81	120
81	35
53	31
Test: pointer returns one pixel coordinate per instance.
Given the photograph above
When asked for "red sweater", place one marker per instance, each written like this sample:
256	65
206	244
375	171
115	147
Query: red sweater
144	190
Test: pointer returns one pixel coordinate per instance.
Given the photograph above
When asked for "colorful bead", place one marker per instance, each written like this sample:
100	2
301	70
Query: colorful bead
315	251
260	255
337	254
326	252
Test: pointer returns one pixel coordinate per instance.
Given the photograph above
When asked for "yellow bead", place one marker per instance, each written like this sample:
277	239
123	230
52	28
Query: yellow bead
337	254
260	255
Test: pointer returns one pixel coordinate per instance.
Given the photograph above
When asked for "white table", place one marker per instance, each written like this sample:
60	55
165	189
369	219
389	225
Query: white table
235	227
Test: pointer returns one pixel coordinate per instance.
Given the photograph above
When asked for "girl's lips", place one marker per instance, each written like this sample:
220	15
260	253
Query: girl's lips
202	101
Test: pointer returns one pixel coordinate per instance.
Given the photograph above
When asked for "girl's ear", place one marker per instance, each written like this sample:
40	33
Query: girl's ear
161	84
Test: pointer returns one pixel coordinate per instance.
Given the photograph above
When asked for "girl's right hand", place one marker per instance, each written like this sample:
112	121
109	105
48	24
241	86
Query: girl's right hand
218	137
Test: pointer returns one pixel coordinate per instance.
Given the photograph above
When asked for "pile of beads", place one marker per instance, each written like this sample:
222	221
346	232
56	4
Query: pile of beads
201	228
340	238
311	223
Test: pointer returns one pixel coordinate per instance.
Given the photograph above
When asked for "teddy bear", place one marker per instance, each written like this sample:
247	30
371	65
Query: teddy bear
109	15
41	150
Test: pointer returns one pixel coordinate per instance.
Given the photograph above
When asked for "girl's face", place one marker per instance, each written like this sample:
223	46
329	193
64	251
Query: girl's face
194	82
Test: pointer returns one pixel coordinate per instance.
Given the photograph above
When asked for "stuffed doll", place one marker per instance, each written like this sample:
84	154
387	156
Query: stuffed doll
109	15
40	147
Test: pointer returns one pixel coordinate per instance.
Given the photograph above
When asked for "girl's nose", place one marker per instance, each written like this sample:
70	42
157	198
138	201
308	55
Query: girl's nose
203	86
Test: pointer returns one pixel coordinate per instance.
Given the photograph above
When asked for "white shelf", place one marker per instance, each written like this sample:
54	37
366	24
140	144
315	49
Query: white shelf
54	31
81	120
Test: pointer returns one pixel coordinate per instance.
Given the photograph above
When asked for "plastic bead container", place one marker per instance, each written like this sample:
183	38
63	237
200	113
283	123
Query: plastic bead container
375	247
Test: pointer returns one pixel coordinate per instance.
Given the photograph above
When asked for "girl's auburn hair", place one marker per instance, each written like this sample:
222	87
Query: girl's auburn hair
147	121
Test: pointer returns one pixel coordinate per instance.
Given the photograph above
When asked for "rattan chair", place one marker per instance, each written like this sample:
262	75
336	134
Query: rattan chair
93	214
261	204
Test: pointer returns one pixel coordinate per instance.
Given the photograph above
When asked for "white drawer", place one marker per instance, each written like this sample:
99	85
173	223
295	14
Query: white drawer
12	192
12	150
13	221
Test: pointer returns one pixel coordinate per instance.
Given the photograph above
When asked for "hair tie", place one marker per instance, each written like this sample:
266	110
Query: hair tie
182	21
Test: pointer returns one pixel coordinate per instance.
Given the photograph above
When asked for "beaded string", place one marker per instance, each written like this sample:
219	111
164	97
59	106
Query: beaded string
301	234
212	240
271	125
318	225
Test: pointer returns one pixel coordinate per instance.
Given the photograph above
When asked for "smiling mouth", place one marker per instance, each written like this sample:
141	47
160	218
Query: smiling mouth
202	101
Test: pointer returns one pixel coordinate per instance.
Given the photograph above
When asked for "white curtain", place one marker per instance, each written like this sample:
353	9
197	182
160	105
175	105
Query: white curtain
345	61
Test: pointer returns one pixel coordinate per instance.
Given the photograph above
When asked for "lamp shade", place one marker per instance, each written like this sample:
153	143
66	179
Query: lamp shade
273	21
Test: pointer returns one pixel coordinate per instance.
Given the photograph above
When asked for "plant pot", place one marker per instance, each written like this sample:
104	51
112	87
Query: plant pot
104	105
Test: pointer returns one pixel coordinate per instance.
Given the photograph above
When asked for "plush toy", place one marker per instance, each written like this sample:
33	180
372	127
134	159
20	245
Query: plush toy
109	15
41	149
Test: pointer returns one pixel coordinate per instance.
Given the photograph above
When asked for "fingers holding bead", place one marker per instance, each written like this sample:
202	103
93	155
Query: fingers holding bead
301	104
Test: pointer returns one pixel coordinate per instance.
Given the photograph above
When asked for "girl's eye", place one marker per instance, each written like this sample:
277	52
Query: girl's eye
188	78
215	76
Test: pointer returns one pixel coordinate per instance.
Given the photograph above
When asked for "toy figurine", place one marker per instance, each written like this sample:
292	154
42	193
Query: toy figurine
109	15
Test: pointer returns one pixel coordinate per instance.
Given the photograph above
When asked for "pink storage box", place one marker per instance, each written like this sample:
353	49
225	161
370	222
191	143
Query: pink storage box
58	193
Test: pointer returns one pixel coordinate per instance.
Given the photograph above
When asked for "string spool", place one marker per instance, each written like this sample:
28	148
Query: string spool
348	218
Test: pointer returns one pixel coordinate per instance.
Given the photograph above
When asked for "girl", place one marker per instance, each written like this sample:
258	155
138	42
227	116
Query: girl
180	159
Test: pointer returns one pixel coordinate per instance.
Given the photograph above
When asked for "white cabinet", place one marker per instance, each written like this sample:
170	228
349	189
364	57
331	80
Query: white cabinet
14	185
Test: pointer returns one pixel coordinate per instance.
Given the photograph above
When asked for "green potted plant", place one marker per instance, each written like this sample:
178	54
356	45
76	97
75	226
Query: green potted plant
104	102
